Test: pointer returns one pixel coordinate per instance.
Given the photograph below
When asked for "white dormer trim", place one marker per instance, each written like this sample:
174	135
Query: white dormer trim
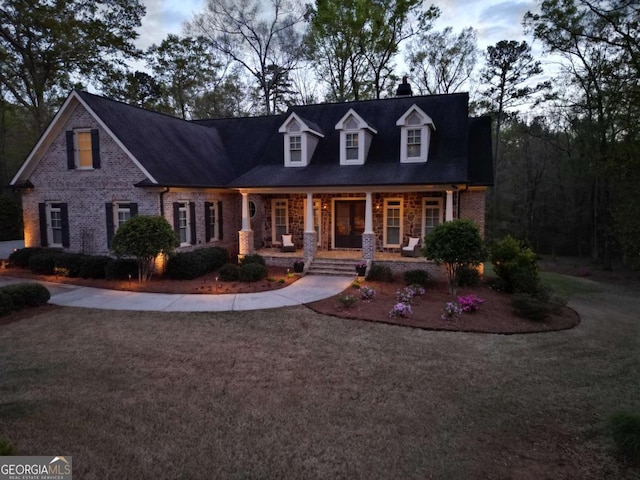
415	135
298	137
355	138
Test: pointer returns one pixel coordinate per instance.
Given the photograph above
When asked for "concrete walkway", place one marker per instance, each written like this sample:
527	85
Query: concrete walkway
307	289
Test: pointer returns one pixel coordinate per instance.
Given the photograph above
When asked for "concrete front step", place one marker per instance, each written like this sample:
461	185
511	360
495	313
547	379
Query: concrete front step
322	266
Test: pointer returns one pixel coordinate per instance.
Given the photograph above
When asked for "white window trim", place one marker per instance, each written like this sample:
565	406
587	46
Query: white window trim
184	205
425	125
384	234
214	229
303	150
364	131
274	202
76	148
116	209
308	140
424	211
49	209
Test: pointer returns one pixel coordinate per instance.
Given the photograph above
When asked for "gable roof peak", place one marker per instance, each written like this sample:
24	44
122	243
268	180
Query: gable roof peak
414	109
305	125
362	123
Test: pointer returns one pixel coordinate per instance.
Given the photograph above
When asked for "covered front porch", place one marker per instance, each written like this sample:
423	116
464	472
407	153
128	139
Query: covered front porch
351	224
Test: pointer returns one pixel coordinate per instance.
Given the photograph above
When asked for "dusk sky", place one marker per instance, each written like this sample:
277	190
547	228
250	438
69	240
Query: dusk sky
493	19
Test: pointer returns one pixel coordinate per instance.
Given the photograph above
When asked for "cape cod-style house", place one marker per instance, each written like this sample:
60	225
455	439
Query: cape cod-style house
361	177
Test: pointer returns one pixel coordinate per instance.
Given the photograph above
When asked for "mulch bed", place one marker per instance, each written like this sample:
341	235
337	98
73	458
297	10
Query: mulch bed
495	315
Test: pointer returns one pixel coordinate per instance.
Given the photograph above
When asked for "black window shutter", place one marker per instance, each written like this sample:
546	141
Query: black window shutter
207	221
133	209
192	215
176	217
110	229
95	148
71	154
64	213
219	220
42	209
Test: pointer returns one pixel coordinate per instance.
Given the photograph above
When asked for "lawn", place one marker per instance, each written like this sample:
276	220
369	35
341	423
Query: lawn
294	394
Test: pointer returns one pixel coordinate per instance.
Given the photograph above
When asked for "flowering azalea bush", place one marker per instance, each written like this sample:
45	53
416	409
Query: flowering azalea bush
367	293
401	310
451	311
470	303
418	290
405	295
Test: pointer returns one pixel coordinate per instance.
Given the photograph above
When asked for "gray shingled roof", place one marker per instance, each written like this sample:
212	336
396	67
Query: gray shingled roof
249	152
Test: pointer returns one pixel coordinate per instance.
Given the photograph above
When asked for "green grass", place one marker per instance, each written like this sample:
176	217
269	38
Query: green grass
291	394
568	286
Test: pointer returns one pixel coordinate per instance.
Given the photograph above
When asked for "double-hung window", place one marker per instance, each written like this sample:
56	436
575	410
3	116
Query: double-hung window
54	224
432	214
184	222
351	145
295	148
279	219
392	222
83	149
414	142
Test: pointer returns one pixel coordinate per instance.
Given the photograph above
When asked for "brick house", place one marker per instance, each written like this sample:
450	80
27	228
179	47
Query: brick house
360	177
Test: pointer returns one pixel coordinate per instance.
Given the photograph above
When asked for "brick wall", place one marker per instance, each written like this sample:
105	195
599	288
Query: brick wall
86	191
472	207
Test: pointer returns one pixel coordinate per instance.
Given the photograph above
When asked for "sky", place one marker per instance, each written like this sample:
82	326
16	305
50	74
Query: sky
494	20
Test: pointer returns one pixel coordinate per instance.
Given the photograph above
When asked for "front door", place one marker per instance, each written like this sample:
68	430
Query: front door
349	223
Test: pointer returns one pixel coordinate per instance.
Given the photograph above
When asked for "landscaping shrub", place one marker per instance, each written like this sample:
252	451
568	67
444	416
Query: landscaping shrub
121	269
530	307
367	293
21	256
380	273
20	295
625	429
93	266
186	265
6	303
253	258
68	264
347	301
6	449
468	276
229	272
416	277
252	272
43	263
515	265
214	257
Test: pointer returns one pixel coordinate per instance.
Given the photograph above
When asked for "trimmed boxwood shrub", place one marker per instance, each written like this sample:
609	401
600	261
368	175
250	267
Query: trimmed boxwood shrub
121	269
253	258
229	272
93	266
186	265
515	265
252	272
530	307
69	264
21	257
416	277
380	273
6	303
214	257
43	263
20	295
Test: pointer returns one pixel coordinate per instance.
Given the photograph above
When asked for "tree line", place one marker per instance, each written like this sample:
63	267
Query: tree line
565	152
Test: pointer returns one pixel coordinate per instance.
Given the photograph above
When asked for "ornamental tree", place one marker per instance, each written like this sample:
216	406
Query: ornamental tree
455	244
144	237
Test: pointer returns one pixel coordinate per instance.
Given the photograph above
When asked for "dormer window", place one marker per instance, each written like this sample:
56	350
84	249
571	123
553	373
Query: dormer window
415	135
300	140
355	138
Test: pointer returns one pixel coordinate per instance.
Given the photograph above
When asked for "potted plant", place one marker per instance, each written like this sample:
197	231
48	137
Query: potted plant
361	268
298	266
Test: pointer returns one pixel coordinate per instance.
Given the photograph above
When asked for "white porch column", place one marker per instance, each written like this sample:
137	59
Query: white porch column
245	236
368	237
368	214
309	239
448	211
308	228
246	221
